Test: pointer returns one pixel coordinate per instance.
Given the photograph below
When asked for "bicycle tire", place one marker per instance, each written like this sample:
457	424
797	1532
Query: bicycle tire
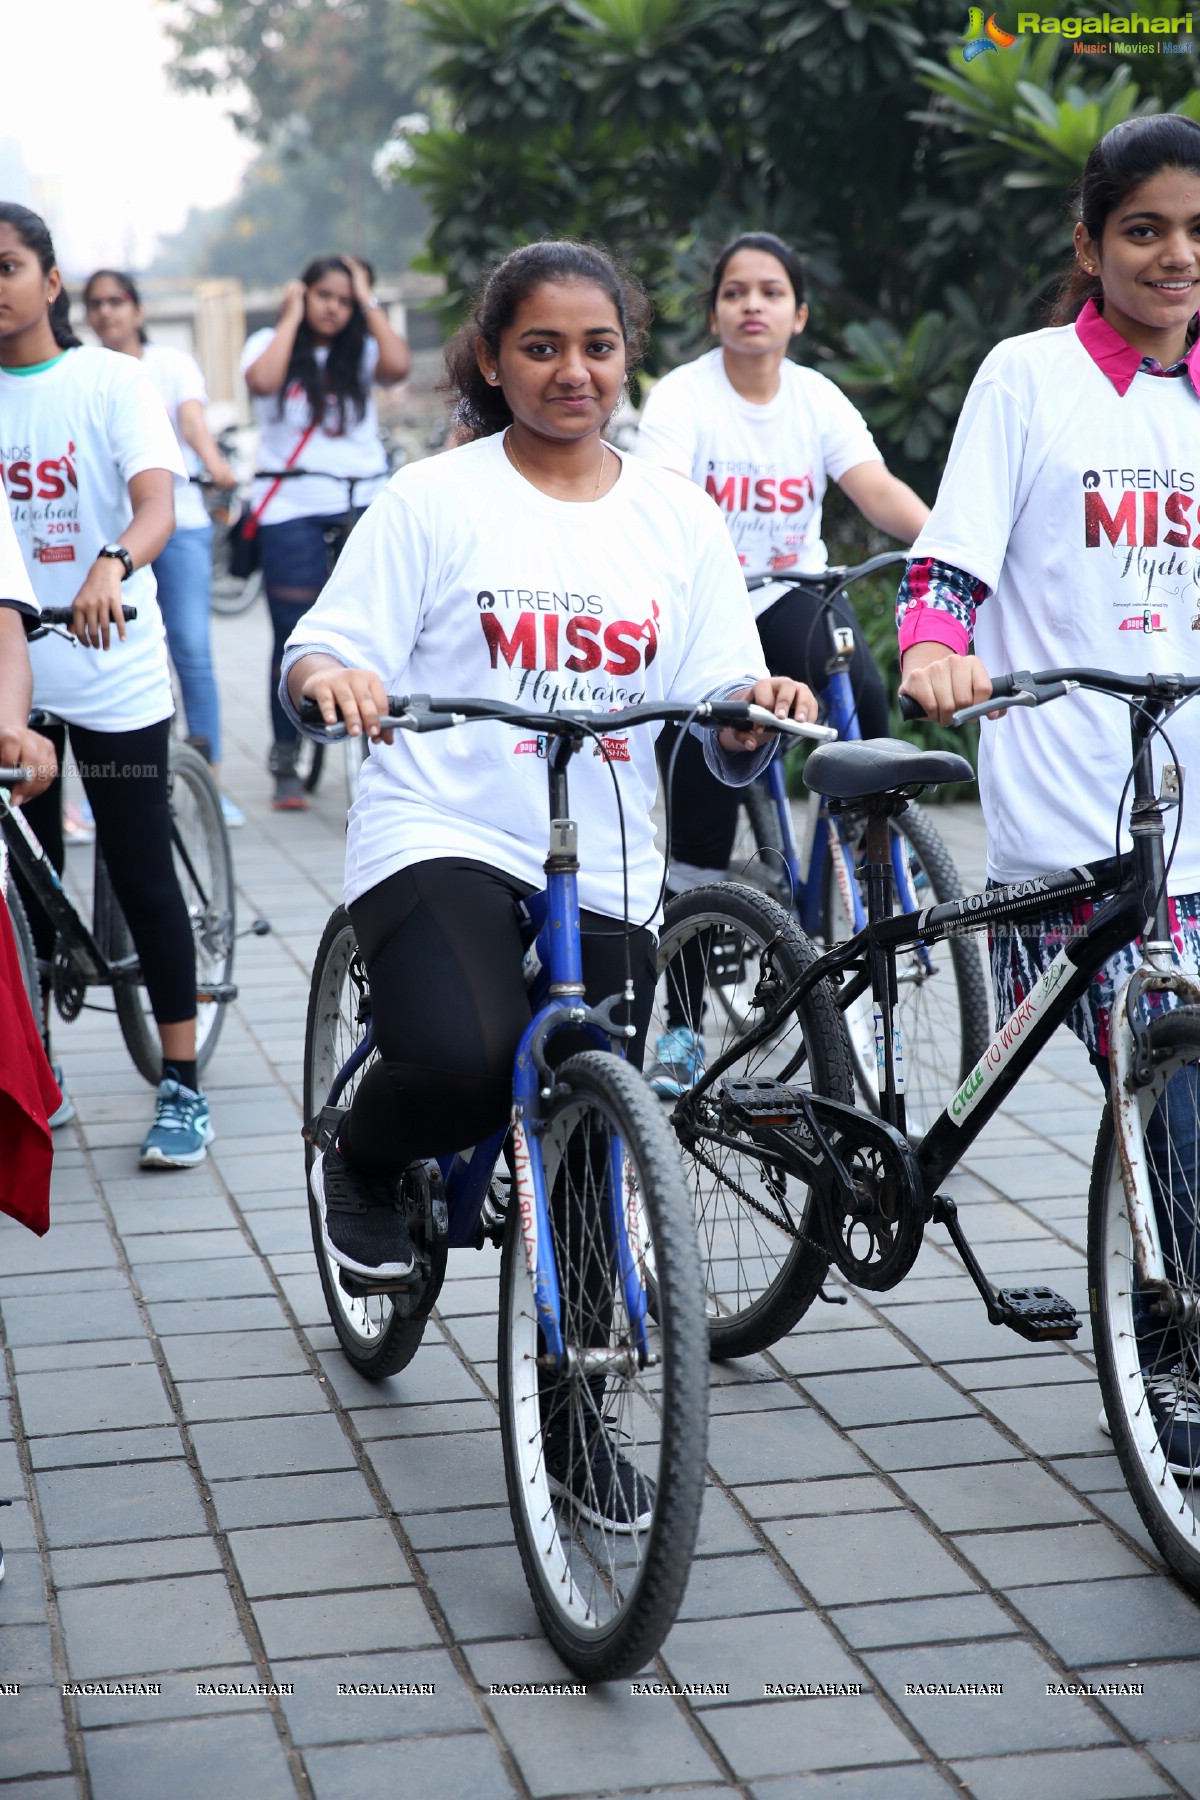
26	953
1169	1505
231	596
761	1271
606	1596
207	886
945	1015
375	1337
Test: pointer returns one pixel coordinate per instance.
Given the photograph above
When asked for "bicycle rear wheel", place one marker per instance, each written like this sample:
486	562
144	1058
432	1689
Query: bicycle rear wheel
945	1017
204	867
726	951
1149	1369
379	1333
606	1567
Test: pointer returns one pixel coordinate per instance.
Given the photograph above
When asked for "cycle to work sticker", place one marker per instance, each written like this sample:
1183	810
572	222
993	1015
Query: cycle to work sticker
1005	1042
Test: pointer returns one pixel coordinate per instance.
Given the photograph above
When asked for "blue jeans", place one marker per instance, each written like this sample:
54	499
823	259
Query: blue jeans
183	571
295	566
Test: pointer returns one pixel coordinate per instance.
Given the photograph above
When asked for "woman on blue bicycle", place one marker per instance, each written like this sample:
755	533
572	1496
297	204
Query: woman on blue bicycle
532	563
1085	437
90	494
764	436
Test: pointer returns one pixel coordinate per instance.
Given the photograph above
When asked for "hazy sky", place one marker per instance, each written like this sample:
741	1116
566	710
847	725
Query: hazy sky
112	157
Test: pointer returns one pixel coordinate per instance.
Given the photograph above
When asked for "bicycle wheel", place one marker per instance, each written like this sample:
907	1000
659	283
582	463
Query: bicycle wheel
945	1017
377	1332
1148	1368
204	867
757	855
719	947
606	1587
26	953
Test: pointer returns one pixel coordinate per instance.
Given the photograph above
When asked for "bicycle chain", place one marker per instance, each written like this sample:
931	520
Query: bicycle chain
788	1229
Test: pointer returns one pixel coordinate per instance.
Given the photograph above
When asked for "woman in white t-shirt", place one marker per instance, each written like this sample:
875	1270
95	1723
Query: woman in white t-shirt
183	568
311	380
1065	534
533	562
90	465
763	436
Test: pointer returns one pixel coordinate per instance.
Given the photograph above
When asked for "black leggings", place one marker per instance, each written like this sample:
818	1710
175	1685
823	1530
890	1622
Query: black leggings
124	776
795	643
442	946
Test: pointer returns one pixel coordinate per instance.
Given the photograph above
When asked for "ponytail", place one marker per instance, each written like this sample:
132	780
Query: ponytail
60	321
34	234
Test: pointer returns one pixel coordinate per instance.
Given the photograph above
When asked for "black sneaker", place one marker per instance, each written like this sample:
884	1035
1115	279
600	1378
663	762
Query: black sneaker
603	1486
362	1220
1174	1401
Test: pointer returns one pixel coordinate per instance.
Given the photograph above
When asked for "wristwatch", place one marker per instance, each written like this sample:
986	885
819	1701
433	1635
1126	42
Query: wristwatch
121	554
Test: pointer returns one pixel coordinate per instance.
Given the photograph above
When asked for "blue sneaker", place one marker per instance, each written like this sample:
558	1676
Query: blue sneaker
180	1135
233	815
65	1110
678	1062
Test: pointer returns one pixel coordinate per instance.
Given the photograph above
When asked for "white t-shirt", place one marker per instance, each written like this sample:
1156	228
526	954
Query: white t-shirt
1080	508
15	587
73	438
178	377
355	452
767	467
463	579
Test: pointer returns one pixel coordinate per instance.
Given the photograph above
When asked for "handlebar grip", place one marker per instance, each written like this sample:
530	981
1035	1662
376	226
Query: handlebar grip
911	710
62	615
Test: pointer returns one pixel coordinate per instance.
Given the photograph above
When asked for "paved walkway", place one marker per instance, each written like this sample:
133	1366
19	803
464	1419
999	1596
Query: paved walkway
207	1498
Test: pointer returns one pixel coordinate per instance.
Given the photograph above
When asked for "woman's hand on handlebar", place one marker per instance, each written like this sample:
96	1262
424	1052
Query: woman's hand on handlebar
941	681
98	604
787	699
355	695
23	748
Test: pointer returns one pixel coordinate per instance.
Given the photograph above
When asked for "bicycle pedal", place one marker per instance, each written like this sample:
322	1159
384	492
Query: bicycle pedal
1038	1313
220	992
359	1289
758	1102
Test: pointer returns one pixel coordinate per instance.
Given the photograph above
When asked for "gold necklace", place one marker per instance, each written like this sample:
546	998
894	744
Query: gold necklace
516	463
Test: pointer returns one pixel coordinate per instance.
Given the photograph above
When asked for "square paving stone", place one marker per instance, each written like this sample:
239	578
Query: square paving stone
22	1598
1053	1421
33	1738
750	1652
254	1397
459	1528
115	1504
25	1655
271	1446
1167	1709
66	1247
1011	1559
880	1396
870	1347
292	1499
367	1619
811	1499
207	1356
108	1312
318	1713
939	1444
1022	1717
955	1619
231	1277
223	1243
1133	1620
777	1737
418	1476
777	1447
869	1556
1183	1760
291	1559
721	1587
56	1403
79	1448
176	1318
1065	1774
137	1561
412	1422
434	1374
204	1759
912	1781
482	1592
180	1622
1006	1494
102	1353
453	1768
178	1698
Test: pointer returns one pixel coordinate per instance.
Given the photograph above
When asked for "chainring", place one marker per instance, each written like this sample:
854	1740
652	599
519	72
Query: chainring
874	1228
67	986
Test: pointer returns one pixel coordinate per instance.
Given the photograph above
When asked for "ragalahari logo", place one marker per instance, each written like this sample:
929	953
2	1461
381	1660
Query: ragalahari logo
982	35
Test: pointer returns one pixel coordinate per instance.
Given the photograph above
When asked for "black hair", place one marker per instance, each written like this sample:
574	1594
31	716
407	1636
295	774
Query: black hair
126	283
35	235
1125	157
479	406
773	246
341	379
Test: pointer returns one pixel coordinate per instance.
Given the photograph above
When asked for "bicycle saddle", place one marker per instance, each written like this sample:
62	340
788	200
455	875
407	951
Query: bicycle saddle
851	771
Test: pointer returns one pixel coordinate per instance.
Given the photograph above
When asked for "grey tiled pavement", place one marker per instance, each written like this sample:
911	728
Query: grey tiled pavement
206	1493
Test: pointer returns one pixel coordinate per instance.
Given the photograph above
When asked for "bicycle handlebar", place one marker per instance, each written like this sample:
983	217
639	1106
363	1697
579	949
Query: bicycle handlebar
827	581
10	777
423	712
62	615
1021	688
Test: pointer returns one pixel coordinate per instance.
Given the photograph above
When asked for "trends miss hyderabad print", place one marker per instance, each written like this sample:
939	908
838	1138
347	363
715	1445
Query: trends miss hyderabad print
541	635
1148	520
43	495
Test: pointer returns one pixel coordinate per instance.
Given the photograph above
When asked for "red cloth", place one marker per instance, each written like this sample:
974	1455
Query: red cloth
28	1095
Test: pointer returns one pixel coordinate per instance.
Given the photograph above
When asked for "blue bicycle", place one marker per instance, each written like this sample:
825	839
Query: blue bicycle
601	1331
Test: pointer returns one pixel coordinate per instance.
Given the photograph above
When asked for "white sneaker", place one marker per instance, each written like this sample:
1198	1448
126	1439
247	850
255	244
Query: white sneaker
65	1110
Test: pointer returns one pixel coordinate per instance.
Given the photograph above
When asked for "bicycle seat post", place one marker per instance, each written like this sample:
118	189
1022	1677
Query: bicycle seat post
880	888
